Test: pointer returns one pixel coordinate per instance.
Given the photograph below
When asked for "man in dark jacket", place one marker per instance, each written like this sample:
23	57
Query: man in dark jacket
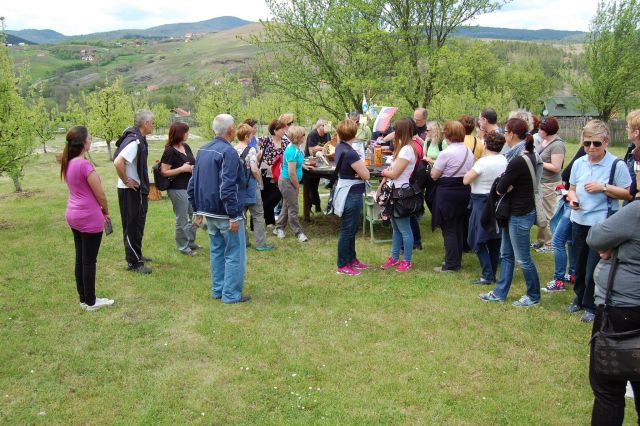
218	177
130	160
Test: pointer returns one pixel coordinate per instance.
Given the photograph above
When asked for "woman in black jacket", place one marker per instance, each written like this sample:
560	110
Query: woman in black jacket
516	236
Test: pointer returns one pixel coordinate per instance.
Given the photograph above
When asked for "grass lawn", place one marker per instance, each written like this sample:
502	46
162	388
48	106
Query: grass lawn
311	347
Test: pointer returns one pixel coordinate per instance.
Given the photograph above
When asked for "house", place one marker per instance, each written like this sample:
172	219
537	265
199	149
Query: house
152	87
181	112
188	37
568	107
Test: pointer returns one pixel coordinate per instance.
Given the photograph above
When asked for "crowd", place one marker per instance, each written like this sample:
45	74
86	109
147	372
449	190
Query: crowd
485	191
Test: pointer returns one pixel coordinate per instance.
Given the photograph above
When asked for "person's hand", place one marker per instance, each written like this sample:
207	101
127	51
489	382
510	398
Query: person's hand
510	188
131	184
197	220
187	168
594	187
234	226
606	254
107	218
428	160
574	204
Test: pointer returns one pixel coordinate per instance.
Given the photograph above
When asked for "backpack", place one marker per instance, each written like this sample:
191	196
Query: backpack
247	170
162	182
629	161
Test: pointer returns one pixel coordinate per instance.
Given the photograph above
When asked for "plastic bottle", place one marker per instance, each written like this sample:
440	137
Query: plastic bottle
378	156
368	156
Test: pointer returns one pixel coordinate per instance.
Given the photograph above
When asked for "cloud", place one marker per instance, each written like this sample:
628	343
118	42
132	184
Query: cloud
72	17
573	15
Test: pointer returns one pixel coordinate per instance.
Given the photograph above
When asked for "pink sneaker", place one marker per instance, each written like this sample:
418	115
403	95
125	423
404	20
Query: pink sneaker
356	264
348	270
390	262
404	266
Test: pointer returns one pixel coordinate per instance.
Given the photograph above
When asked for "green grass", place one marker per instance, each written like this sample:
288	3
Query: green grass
311	347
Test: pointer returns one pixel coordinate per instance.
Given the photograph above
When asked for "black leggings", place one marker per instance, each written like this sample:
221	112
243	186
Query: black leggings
87	247
608	405
270	198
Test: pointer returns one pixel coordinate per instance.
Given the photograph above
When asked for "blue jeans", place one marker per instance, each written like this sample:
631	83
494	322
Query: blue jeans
562	237
515	246
228	259
348	229
402	237
489	257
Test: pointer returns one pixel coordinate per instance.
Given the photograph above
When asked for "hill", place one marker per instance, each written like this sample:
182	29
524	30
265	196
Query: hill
221	23
38	36
519	34
11	39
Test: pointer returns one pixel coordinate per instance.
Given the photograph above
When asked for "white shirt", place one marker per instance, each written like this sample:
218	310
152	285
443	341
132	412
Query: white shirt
488	169
407	153
129	153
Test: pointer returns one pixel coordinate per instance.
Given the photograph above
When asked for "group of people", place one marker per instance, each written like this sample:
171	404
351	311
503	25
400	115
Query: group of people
482	195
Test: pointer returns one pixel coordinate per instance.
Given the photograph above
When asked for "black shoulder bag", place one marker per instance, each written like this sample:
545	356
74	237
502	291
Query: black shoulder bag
615	355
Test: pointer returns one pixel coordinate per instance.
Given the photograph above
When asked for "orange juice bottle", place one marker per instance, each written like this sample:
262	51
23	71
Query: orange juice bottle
378	155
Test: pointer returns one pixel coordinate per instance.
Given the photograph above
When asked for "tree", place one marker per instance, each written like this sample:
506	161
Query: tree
222	95
323	52
527	83
330	52
611	57
108	112
16	133
416	32
45	120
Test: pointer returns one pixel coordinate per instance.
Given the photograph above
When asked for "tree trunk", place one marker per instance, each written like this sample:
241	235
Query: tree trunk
44	147
109	150
16	183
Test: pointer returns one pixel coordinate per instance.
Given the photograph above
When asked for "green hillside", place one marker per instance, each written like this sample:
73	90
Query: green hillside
140	63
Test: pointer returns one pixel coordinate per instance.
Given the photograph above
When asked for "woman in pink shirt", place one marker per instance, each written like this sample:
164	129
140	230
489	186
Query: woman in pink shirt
87	212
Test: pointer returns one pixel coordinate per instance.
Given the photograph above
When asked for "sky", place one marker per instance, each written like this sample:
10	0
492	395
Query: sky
73	17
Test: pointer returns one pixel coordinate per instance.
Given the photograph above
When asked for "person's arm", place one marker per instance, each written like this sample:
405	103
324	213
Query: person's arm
389	137
610	191
470	176
555	166
96	187
436	173
293	178
513	171
229	188
614	231
398	167
120	164
167	171
572	198
255	171
361	169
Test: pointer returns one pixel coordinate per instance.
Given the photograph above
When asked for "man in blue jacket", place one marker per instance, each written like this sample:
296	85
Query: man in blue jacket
218	178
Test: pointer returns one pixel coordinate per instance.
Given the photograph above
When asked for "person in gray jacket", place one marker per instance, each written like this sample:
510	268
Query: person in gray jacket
619	232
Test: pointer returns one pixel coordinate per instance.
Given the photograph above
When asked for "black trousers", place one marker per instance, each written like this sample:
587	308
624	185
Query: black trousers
608	405
312	185
270	198
133	213
585	261
87	246
453	234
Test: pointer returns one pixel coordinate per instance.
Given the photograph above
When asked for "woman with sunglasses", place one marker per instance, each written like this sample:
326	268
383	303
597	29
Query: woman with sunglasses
516	236
592	197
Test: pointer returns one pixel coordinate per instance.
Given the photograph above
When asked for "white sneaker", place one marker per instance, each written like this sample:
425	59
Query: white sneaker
302	238
100	303
83	305
279	233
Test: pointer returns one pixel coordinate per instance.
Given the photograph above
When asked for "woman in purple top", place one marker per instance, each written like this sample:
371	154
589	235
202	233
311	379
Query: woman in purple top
87	212
451	196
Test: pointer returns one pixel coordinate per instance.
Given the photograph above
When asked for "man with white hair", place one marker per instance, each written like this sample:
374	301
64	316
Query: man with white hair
130	160
217	178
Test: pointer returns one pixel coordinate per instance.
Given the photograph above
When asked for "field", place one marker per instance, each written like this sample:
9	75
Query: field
312	347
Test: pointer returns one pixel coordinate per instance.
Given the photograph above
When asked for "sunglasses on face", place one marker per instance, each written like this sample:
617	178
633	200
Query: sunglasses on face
596	144
290	123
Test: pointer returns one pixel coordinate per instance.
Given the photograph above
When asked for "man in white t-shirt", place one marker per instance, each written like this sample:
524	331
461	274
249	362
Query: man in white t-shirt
130	160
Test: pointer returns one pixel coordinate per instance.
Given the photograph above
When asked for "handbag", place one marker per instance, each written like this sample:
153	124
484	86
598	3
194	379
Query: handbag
541	216
328	209
615	355
406	201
